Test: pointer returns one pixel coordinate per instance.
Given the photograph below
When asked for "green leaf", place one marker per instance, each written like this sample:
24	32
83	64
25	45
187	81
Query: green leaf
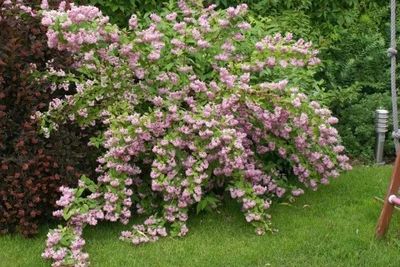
68	213
79	192
90	185
65	241
84	208
207	203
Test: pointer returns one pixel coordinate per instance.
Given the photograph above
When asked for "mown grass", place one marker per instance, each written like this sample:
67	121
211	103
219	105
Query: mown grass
331	227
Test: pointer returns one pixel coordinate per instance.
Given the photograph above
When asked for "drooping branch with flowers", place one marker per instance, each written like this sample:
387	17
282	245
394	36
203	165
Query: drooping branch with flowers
191	100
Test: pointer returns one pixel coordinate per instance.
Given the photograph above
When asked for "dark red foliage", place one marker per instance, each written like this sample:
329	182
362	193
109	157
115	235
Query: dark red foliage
32	168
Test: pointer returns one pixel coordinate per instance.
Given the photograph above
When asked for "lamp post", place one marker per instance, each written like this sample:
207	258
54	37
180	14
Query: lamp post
381	127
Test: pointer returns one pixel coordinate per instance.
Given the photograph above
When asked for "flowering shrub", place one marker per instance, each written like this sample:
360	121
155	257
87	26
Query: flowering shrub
191	102
31	167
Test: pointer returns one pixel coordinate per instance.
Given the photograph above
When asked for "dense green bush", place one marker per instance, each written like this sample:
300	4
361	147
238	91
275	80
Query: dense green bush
356	75
357	127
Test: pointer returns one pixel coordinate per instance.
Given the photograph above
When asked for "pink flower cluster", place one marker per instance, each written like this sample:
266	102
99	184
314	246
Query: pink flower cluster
89	16
61	255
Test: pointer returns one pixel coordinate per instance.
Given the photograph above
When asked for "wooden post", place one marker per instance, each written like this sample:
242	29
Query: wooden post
387	211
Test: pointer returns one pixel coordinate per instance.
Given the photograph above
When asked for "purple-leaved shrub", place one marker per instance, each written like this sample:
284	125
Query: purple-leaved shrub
190	101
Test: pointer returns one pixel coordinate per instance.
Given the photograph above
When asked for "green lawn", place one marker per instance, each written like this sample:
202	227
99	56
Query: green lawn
331	227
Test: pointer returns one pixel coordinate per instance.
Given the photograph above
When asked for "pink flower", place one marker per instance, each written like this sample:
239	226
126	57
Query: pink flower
133	22
297	192
280	191
244	26
282	152
183	230
171	17
154	17
223	23
44	4
203	44
333	120
283	63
